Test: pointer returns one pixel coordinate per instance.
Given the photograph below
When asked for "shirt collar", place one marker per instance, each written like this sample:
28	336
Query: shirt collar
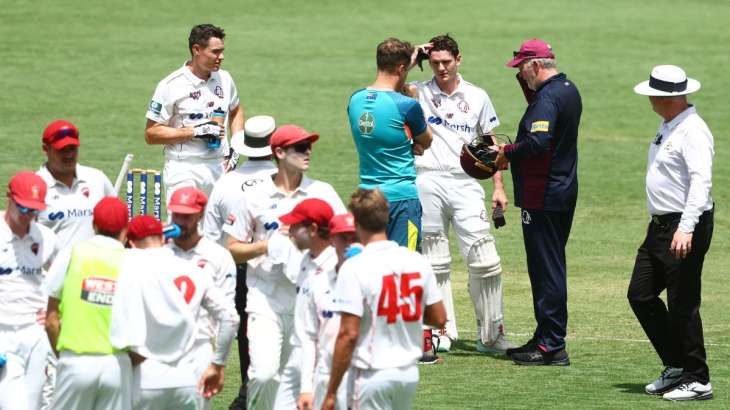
437	90
194	79
273	191
679	118
107	241
323	257
6	232
381	245
45	174
556	77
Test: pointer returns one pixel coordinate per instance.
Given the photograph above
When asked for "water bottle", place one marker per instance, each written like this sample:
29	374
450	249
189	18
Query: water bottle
353	250
218	116
3	360
171	231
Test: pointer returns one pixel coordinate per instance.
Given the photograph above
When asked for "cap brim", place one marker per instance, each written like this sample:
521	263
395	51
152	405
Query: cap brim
65	142
643	88
291	219
30	203
238	144
183	209
515	62
342	230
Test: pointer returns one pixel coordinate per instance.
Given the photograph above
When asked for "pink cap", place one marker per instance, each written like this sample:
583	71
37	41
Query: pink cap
187	200
110	215
342	223
530	49
311	210
291	134
28	190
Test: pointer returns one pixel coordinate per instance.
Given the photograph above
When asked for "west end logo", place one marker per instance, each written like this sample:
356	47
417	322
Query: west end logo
366	123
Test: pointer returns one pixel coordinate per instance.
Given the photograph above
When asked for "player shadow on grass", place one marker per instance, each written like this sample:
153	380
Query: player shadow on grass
630	388
466	348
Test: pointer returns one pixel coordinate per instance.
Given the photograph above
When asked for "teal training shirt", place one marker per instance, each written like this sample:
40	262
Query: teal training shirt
382	124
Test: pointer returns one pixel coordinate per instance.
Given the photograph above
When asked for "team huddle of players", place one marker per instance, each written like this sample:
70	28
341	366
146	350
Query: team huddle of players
101	312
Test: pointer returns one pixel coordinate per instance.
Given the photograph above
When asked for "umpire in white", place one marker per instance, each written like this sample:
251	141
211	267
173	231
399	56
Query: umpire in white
678	185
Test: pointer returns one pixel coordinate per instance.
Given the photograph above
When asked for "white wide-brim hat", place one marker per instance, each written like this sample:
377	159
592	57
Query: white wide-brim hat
254	140
667	81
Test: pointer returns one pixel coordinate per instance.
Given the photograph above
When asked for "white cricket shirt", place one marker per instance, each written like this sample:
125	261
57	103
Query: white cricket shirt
453	120
22	262
183	100
388	287
270	289
216	260
679	174
70	212
229	191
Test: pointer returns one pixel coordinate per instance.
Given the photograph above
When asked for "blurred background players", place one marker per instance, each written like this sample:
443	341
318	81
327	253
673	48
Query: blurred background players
73	189
384	295
190	112
458	111
389	128
28	248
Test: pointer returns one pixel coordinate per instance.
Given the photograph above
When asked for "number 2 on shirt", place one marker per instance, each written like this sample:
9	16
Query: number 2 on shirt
390	294
186	286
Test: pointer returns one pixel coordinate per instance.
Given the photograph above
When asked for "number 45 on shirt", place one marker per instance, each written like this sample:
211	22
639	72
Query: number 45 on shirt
391	293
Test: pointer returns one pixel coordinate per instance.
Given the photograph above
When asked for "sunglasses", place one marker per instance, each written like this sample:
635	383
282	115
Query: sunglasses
526	53
25	210
302	147
64	133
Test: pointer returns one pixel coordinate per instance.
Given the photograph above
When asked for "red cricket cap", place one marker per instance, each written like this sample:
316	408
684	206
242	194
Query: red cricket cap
142	226
28	190
530	49
60	134
110	215
342	223
311	210
291	134
187	200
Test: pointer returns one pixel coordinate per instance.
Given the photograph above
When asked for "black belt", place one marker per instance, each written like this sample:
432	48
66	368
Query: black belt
666	218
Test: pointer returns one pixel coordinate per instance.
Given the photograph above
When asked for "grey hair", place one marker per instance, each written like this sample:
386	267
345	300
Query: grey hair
545	62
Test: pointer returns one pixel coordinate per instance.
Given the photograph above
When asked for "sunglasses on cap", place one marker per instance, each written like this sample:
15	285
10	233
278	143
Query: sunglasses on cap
25	210
301	147
63	133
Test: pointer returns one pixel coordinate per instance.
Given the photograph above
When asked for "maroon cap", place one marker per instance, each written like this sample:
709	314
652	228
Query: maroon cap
187	200
142	226
311	210
342	223
110	215
291	134
60	134
28	190
530	49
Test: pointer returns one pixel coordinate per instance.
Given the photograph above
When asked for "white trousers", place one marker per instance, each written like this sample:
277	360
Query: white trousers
384	389
102	382
269	348
290	383
24	378
321	383
201	174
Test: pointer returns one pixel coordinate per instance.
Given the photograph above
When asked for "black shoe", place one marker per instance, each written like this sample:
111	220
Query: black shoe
239	403
536	357
524	348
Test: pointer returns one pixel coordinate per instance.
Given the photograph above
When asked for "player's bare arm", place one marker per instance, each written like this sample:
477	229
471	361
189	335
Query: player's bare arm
435	315
424	139
344	346
410	90
243	251
235	120
156	133
53	323
499	196
211	381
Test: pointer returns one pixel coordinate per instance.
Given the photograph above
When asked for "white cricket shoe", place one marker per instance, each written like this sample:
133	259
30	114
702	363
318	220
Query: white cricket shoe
668	380
690	391
444	344
499	346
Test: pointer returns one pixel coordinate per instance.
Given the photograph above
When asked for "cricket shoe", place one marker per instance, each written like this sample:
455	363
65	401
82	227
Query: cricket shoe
239	403
668	380
499	346
690	391
429	350
529	345
444	342
538	357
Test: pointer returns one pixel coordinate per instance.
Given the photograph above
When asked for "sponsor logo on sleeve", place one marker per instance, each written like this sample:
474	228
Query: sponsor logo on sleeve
155	107
366	123
540	126
98	291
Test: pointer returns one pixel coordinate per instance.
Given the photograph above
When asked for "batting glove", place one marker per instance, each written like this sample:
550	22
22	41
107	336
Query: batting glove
207	130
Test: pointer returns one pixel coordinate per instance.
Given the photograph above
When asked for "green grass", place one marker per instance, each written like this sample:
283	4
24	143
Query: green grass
97	63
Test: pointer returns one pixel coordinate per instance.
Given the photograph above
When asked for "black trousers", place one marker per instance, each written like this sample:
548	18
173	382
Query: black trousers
545	234
241	290
675	330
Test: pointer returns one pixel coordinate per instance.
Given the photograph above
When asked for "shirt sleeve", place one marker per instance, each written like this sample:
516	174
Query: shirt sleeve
107	186
239	225
234	95
223	311
414	118
226	276
53	283
306	317
697	151
333	198
161	106
539	124
488	119
212	220
349	293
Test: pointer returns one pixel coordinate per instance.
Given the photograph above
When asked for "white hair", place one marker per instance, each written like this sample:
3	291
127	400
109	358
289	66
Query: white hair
545	62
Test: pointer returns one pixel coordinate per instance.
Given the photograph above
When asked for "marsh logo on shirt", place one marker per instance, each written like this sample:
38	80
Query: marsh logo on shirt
98	291
366	123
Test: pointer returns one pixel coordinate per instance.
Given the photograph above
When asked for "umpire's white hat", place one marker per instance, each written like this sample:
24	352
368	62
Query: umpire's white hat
253	141
667	81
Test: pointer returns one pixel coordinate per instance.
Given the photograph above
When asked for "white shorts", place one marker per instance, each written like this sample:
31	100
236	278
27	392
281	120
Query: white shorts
23	377
384	389
201	174
93	382
453	199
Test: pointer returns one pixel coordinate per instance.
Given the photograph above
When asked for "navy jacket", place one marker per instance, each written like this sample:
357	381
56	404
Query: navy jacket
544	157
